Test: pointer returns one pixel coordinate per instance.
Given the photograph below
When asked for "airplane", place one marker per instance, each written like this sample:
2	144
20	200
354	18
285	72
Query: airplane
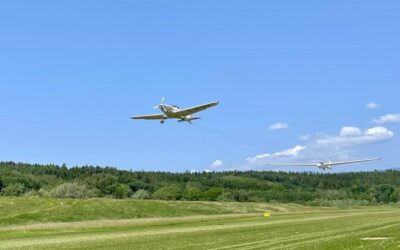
323	165
174	112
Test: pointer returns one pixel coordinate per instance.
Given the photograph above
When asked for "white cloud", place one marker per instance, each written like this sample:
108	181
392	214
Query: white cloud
373	105
217	164
388	118
380	133
279	125
350	131
371	135
282	154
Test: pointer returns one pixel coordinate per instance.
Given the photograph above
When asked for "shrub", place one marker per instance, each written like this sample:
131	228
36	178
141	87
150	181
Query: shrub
106	184
194	193
141	195
172	192
71	190
43	193
138	185
16	189
384	192
212	194
226	196
122	191
395	197
31	193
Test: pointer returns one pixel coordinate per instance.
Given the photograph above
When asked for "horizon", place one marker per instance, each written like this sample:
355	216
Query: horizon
296	83
288	171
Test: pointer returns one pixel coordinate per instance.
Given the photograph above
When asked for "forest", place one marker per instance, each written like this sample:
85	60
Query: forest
326	189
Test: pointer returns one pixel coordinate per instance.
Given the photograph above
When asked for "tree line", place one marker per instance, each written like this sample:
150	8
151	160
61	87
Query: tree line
328	189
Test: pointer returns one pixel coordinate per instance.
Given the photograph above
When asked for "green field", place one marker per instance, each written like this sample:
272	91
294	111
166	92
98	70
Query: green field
36	223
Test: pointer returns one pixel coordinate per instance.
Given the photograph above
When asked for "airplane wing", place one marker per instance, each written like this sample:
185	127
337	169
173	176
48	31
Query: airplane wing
294	164
148	117
192	110
351	162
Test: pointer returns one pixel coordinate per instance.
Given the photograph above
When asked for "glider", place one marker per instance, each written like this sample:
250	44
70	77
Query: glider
323	165
174	112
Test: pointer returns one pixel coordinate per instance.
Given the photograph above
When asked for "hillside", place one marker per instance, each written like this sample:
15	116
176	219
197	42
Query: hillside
361	188
31	210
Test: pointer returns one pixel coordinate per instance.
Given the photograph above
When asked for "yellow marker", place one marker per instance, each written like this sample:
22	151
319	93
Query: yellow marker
267	214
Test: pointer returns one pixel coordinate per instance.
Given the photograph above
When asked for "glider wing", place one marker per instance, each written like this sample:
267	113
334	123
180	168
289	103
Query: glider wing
294	164
351	162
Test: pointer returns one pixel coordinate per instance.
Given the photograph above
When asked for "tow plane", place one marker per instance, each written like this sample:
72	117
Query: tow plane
174	112
323	165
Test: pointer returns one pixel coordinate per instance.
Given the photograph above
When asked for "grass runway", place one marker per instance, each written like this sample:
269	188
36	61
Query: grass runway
202	226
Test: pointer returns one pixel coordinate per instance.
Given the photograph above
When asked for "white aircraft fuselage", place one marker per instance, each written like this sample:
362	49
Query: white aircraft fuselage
170	111
324	166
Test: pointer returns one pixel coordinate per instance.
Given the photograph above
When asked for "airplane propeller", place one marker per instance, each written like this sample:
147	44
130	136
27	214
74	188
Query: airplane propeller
162	102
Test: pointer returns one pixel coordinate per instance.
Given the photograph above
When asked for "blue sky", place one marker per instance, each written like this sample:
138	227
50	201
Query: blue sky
72	72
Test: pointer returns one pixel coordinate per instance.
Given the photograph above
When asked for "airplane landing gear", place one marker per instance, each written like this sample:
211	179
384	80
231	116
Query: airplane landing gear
165	117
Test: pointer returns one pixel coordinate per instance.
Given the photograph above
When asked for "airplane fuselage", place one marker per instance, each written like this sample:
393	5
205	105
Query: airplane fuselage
324	166
170	111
